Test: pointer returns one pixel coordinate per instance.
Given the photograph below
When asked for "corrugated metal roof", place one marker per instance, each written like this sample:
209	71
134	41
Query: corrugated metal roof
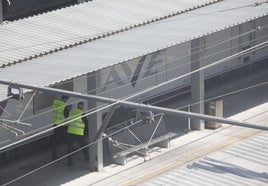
56	30
245	163
257	115
133	43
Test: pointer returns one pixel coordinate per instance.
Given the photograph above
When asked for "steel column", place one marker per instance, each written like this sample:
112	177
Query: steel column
197	85
94	125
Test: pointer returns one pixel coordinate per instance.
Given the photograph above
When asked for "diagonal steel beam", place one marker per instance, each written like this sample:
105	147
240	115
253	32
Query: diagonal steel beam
135	105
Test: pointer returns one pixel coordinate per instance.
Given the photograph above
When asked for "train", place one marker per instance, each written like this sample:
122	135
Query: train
125	79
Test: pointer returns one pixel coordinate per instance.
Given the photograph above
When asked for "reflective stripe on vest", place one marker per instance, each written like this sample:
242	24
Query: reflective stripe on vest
77	126
58	109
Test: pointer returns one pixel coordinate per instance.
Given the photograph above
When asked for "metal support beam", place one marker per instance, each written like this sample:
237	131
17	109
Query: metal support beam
197	85
94	125
105	121
137	105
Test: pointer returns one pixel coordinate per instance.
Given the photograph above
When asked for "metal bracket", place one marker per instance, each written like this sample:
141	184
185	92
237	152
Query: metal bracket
18	96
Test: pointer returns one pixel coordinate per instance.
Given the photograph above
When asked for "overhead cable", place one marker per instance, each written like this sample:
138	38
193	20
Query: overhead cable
135	105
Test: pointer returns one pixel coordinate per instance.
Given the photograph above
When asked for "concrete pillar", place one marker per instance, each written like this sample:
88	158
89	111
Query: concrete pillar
1	11
197	85
95	122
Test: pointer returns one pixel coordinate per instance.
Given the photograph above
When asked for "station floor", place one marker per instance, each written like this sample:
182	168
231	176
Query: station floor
187	149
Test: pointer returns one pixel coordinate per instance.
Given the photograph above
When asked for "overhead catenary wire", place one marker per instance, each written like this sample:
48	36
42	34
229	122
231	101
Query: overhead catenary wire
186	75
69	154
52	128
249	50
144	78
202	46
220	96
224	95
61	158
159	73
195	103
134	94
52	162
146	90
220	11
181	65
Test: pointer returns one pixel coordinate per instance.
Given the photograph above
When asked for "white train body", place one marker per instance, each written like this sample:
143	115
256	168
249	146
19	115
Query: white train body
127	78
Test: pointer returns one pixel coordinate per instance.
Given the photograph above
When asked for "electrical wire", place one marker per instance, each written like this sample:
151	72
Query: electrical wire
249	50
146	90
202	68
73	151
54	127
163	72
238	36
96	141
108	136
224	95
219	11
186	50
168	82
158	74
69	154
159	66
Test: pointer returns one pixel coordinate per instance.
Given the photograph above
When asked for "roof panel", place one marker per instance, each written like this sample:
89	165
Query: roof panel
111	50
80	23
244	163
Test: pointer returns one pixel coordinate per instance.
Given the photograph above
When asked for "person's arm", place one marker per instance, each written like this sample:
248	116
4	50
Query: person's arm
66	112
84	119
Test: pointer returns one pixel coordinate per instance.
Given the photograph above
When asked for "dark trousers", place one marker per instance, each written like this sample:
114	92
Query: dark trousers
71	139
58	137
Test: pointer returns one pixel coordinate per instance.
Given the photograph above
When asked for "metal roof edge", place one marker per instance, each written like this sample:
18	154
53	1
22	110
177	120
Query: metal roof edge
104	35
158	49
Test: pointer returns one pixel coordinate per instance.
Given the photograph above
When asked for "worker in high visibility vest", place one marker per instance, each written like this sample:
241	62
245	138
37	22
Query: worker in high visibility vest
60	113
76	132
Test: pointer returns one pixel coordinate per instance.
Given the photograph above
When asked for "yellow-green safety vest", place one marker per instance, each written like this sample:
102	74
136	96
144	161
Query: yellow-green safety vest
58	111
77	126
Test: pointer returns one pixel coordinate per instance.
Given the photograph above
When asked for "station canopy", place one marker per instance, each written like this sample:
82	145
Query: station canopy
26	44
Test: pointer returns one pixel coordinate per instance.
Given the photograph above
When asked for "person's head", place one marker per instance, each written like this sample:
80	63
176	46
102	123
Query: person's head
64	98
80	105
69	107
